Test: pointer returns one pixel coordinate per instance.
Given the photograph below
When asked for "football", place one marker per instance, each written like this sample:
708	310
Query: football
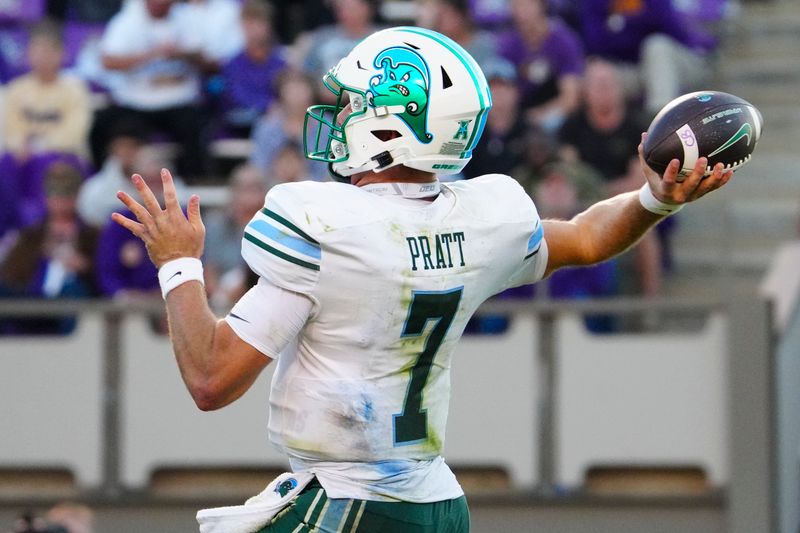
720	126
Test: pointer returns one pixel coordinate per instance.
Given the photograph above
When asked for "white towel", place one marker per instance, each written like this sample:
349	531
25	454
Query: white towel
258	510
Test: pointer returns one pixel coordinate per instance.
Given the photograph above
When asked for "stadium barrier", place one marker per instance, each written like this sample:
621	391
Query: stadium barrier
544	401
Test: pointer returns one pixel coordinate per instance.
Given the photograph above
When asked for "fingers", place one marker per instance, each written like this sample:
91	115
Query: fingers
640	149
170	196
670	177
193	212
650	175
719	177
149	199
135	207
131	225
692	181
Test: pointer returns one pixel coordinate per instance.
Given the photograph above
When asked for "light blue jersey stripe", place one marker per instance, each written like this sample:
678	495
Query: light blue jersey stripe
335	515
536	238
294	243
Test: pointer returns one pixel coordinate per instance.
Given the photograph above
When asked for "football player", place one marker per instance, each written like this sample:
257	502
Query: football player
367	282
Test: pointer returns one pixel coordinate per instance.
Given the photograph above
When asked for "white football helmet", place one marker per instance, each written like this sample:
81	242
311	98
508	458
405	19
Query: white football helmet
415	97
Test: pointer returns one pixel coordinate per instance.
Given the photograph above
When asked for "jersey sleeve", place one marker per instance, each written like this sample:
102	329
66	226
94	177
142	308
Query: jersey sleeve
534	263
268	317
278	245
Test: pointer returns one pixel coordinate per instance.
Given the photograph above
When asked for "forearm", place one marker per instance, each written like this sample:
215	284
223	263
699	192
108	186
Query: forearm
610	227
127	62
215	364
192	329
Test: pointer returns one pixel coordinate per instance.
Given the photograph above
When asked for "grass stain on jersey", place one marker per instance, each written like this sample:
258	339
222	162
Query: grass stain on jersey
433	443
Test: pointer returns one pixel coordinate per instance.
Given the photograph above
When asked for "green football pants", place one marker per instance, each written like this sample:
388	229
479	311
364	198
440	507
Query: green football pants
312	510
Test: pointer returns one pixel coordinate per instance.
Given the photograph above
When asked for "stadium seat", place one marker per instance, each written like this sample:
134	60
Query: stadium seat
50	402
494	419
641	400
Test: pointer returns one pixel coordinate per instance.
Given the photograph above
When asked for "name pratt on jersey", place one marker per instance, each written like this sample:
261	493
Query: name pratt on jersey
436	253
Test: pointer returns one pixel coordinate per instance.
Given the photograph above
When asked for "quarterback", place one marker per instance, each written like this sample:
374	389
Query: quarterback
366	284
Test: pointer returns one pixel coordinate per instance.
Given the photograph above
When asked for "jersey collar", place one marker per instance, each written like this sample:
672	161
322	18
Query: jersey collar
406	190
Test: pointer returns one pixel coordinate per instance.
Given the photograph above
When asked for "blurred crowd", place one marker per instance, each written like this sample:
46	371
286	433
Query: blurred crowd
64	517
96	90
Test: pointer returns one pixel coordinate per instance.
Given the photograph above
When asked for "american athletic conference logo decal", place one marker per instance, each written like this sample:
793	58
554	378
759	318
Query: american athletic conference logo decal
404	81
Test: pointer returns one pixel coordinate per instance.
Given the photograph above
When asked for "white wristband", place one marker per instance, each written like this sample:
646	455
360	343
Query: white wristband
654	205
179	271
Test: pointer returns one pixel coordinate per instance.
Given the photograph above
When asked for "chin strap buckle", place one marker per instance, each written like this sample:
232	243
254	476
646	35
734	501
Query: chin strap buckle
383	159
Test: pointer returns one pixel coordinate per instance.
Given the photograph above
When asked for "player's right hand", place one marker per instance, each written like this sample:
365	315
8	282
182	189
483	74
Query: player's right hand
167	233
670	189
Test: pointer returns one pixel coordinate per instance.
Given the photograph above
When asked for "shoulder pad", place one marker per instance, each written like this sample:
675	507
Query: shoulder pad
495	197
278	243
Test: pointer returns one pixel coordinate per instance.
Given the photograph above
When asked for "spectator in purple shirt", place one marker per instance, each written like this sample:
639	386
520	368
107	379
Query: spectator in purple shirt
668	49
249	78
53	258
549	59
9	217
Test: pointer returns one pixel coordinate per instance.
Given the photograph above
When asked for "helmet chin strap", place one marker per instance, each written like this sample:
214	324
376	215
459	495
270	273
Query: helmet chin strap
336	176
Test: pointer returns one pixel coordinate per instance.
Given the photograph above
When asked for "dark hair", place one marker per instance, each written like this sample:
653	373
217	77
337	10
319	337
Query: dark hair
462	6
128	127
49	30
62	179
290	75
257	9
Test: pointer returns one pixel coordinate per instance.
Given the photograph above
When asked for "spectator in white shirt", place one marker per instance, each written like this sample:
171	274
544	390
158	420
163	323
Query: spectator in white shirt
151	47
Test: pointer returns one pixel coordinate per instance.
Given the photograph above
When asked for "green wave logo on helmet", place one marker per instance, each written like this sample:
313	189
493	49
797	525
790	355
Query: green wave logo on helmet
405	82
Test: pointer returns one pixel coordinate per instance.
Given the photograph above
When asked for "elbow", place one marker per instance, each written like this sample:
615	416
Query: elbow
207	397
206	403
111	63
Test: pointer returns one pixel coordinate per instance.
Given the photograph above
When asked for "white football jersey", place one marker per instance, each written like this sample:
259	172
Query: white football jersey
394	283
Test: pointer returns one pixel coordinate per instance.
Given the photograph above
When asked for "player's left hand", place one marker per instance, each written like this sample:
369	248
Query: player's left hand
167	233
670	189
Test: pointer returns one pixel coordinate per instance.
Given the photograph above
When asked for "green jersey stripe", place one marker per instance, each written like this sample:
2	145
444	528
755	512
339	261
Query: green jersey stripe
353	517
314	509
282	255
317	518
358	517
275	216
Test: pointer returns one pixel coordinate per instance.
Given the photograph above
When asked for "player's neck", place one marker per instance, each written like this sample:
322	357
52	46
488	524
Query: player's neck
398	174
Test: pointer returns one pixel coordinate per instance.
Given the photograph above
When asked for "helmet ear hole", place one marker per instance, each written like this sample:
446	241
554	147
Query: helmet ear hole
446	81
386	135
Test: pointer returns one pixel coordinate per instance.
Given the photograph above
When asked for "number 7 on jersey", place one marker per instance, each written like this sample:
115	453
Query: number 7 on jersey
411	425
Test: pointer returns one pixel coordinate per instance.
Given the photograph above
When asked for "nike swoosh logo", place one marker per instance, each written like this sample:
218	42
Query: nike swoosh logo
234	315
746	130
178	273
